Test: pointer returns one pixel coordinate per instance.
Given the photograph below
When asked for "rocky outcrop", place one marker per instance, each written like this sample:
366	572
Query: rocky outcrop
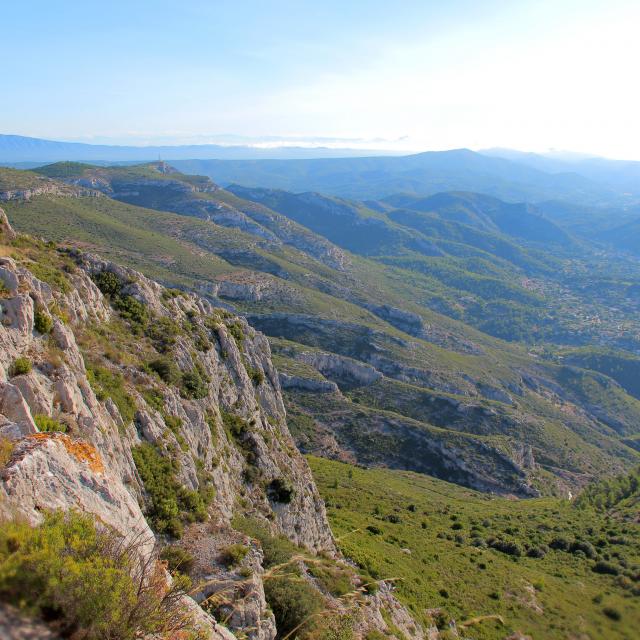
45	188
414	325
226	434
307	384
345	370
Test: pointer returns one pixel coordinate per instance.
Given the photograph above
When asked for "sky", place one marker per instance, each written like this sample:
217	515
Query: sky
404	75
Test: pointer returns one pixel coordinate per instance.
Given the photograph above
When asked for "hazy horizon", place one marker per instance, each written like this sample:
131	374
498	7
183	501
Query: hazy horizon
421	76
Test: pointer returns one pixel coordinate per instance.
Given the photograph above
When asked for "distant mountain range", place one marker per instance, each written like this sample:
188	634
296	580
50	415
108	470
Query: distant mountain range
511	176
29	152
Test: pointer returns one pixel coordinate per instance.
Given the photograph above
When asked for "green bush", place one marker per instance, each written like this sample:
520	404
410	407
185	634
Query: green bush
6	450
171	504
585	547
109	384
178	560
166	369
163	333
42	321
132	310
255	375
20	367
606	567
195	383
294	603
280	490
509	547
335	580
234	425
154	398
109	283
234	554
235	329
48	425
277	550
86	580
612	613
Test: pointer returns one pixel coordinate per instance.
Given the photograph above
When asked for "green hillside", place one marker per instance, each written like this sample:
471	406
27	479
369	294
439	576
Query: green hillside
441	389
545	568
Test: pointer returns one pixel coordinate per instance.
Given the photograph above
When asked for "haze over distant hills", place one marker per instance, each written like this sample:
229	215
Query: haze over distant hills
512	176
23	149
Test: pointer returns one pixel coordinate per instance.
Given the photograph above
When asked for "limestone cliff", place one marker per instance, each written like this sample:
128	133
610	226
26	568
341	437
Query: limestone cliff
106	377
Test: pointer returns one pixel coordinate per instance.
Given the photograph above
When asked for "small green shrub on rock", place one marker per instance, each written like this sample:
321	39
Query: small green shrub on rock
178	560
109	384
20	366
194	384
48	424
234	554
42	321
166	369
170	503
294	603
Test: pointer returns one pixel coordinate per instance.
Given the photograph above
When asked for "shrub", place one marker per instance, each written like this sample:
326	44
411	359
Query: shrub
171	504
506	546
276	549
585	547
108	384
108	282
294	603
42	321
235	329
376	531
335	580
20	367
163	333
177	559
234	554
90	582
166	369
6	449
154	398
560	544
195	383
132	310
48	424
612	613
280	490
234	425
536	552
255	375
606	567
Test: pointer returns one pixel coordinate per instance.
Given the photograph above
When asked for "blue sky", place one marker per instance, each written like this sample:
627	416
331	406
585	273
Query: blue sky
405	75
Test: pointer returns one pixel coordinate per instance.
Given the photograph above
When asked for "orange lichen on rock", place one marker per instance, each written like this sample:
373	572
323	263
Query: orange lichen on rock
79	449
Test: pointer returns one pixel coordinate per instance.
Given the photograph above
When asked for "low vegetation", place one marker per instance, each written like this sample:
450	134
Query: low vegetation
170	504
48	424
542	564
87	582
20	366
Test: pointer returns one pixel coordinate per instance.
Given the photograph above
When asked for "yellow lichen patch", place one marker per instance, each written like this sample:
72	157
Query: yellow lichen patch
79	449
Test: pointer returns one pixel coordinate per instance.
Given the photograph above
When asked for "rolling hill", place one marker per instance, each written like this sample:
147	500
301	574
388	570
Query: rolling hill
372	371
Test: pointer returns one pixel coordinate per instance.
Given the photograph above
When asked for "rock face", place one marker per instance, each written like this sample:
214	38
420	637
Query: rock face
414	325
74	359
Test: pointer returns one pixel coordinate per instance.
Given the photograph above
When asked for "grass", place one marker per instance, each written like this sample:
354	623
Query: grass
441	543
